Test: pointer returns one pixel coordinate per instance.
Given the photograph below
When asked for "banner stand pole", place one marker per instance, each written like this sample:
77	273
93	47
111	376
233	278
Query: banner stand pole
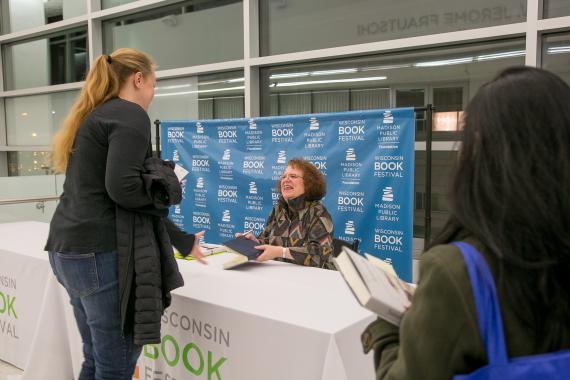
429	126
157	137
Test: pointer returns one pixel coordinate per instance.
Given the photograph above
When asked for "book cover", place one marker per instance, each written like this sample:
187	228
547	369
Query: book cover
374	286
244	250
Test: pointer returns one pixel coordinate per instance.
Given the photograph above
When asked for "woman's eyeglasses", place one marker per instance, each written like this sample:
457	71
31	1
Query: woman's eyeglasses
290	176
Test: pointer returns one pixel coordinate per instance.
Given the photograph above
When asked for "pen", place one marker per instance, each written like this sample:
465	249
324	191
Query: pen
248	232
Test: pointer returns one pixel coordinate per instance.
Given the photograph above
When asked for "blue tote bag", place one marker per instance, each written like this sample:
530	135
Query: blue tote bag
555	365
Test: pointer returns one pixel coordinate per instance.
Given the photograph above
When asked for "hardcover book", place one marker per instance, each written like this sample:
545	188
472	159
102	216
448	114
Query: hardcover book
375	285
243	249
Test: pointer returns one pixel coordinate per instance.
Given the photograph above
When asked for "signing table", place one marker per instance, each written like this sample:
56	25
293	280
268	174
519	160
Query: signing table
260	321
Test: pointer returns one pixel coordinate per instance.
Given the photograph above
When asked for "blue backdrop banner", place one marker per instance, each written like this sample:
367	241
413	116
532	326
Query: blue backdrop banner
233	166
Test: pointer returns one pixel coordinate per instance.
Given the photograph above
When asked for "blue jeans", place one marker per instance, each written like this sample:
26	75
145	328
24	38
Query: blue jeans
91	280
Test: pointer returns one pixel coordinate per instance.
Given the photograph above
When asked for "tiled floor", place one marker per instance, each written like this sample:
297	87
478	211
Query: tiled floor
6	370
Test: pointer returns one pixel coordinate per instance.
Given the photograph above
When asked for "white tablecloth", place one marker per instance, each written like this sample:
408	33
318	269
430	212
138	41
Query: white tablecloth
261	321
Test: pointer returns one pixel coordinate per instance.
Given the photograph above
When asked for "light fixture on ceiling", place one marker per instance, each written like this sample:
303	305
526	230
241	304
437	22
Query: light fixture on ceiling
347	80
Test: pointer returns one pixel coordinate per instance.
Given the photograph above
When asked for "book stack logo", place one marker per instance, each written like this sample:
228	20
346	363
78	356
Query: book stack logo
183	188
388	117
200	183
177	209
202	239
252	125
227	155
175	156
199	128
388	260
252	188
226	216
281	157
350	155
349	227
313	124
388	194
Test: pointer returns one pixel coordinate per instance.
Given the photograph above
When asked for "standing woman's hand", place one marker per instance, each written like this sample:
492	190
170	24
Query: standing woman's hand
196	252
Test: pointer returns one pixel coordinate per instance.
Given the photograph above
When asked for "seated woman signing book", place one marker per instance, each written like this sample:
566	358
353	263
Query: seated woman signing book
299	229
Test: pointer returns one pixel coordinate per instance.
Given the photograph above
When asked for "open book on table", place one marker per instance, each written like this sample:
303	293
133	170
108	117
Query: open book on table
375	285
243	250
206	249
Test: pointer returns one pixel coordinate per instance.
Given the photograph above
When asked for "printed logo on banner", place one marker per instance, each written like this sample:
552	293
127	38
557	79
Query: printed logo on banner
200	163
175	156
320	163
254	223
8	314
227	194
314	138
189	345
388	132
387	194
388	210
252	125
389	166
351	130
274	196
350	201
282	133
183	187
175	135
178	217
349	227
201	220
199	140
200	194
253	137
388	241
351	169
280	165
226	217
254	202
227	134
252	188
253	165
226	166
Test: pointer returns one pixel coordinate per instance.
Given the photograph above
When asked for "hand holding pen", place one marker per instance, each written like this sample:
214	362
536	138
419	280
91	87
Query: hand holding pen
247	234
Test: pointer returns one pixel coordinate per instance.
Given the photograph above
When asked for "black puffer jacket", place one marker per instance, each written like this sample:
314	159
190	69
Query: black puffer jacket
147	268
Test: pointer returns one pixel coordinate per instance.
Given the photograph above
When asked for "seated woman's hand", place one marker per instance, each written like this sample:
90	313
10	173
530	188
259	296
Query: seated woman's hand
270	252
247	235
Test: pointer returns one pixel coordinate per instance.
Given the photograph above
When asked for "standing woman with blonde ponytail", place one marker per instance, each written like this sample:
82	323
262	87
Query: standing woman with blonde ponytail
102	147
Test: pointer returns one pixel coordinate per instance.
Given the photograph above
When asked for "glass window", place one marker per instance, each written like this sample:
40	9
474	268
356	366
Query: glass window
28	163
444	77
18	15
32	120
285	25
58	58
212	96
185	34
556	54
556	8
442	166
113	3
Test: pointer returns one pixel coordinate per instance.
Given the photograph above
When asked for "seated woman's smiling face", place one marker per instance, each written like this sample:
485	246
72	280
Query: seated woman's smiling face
292	184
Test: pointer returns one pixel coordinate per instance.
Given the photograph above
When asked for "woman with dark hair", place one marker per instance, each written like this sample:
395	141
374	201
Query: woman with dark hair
509	200
299	229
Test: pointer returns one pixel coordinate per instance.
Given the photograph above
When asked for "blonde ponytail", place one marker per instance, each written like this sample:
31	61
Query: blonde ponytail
104	81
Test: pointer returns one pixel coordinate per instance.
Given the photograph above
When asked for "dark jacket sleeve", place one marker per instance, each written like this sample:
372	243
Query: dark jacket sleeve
128	144
181	240
438	336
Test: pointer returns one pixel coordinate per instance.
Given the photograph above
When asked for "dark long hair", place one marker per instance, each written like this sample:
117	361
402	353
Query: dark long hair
512	192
